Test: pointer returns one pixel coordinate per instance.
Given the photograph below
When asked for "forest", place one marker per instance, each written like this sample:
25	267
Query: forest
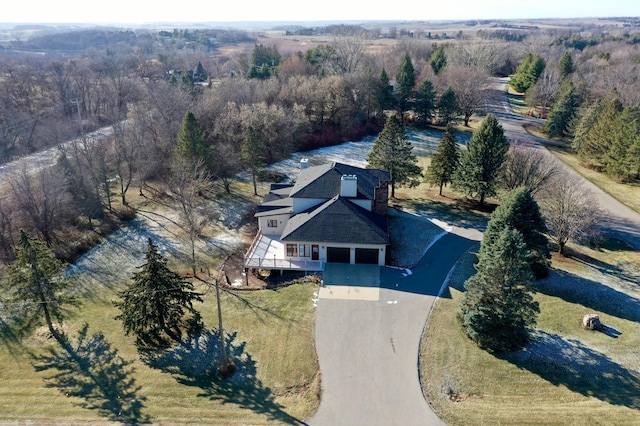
296	88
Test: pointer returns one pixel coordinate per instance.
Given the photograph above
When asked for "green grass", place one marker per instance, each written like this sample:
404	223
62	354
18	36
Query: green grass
102	378
569	376
273	344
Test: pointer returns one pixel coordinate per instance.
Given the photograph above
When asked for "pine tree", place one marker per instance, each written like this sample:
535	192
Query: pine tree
384	94
393	152
37	286
253	155
405	82
598	139
562	112
445	161
621	161
498	309
438	60
518	210
425	101
192	144
153	306
565	66
480	164
527	73
448	107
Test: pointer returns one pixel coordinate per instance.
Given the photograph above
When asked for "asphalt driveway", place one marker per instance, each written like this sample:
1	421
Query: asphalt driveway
368	350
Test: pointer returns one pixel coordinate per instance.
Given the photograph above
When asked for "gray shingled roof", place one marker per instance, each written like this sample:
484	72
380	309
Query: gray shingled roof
337	221
324	181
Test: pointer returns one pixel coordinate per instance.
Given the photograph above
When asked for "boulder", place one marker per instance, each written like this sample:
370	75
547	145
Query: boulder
591	322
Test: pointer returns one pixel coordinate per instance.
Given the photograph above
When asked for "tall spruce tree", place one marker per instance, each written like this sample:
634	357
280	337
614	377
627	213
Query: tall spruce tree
519	210
480	164
393	152
445	161
36	285
498	310
405	82
425	102
192	144
448	107
565	66
527	73
562	112
438	60
154	305
253	155
384	95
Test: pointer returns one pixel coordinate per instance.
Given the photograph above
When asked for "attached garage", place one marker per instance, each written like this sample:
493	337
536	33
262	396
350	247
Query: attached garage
367	256
339	254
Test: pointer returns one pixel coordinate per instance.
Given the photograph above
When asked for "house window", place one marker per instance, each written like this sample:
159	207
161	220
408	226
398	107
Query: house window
292	250
305	250
272	223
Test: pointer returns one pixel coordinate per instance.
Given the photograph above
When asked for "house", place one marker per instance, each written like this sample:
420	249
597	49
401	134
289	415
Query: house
332	213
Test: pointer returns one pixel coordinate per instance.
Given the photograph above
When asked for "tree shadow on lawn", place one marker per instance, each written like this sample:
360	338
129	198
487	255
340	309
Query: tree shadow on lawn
567	362
597	296
90	369
626	273
194	362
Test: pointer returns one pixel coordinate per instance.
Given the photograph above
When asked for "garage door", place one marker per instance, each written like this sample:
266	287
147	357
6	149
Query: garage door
338	254
368	256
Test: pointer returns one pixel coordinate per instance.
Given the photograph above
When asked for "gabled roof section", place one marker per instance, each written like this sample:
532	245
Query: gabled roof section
337	221
324	181
276	201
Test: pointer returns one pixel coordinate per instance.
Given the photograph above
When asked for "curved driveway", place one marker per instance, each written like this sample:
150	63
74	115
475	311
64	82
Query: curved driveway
368	350
620	221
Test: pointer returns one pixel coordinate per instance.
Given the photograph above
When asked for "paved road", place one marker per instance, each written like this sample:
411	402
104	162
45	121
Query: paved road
368	350
620	221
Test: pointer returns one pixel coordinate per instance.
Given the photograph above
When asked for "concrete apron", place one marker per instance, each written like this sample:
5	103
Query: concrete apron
350	282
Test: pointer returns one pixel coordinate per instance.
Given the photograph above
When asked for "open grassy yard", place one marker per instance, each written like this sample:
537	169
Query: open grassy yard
101	377
566	375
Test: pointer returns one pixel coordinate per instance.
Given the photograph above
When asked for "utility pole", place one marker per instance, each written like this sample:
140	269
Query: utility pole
227	368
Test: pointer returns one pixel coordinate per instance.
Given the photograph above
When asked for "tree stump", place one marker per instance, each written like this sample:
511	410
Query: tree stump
591	322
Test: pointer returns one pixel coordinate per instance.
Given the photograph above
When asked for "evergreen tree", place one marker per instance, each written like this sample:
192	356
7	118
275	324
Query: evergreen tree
192	144
527	73
562	112
438	60
405	82
480	164
497	309
448	107
253	155
36	285
621	161
153	306
425	101
518	210
598	139
384	95
587	117
445	161
566	65
393	152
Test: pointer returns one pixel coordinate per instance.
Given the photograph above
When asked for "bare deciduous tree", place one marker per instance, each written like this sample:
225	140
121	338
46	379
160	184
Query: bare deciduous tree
469	84
570	210
527	167
189	181
42	198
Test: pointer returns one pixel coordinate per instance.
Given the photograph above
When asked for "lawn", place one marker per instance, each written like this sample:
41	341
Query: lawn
101	377
567	375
